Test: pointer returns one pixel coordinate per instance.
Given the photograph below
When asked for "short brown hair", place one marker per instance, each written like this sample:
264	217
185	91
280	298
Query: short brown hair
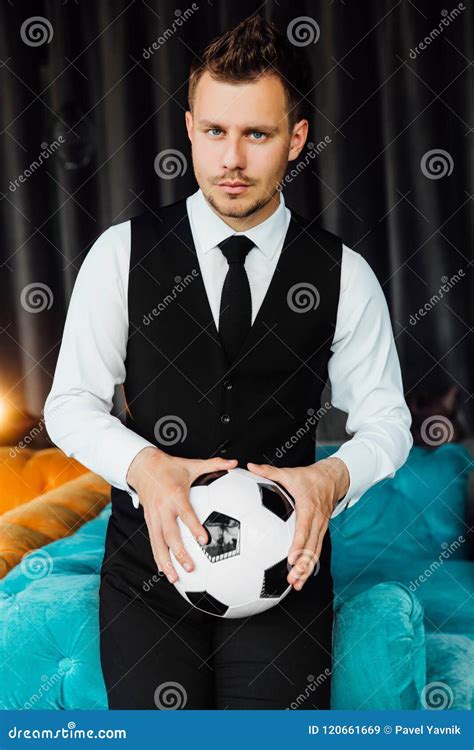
253	48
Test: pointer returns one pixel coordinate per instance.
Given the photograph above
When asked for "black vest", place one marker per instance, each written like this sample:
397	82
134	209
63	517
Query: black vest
182	394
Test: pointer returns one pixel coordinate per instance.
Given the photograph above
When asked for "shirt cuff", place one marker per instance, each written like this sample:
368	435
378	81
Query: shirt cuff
128	450
134	496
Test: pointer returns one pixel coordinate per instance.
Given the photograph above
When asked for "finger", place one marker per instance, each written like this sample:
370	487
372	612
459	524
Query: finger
266	470
181	506
205	465
160	550
322	531
308	560
173	539
303	527
189	517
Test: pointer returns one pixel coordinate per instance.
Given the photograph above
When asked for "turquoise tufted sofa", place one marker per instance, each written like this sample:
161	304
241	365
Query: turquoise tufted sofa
404	612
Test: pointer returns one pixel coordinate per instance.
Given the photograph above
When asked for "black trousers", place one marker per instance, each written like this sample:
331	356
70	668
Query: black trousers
159	652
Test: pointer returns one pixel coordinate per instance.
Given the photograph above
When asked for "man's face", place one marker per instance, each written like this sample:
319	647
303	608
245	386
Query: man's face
239	134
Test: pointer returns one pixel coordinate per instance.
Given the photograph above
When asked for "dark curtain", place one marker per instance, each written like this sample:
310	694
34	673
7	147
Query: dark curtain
392	175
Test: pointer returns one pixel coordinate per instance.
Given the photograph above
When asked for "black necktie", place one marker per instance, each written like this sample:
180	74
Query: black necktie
235	316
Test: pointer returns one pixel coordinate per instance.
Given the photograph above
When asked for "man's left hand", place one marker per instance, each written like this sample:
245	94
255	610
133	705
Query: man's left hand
316	490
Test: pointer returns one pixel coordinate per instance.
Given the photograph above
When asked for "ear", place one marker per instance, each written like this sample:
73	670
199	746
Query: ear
188	118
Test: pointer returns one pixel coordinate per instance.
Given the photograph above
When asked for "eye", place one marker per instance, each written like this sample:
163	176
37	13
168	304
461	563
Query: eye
211	129
258	132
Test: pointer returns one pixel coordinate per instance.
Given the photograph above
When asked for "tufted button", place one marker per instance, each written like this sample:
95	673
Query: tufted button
227	384
65	664
225	419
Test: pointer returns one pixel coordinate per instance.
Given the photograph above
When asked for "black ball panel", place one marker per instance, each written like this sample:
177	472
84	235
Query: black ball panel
274	580
275	500
204	601
206	479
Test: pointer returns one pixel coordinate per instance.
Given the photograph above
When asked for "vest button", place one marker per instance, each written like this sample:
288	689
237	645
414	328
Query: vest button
225	418
227	385
223	450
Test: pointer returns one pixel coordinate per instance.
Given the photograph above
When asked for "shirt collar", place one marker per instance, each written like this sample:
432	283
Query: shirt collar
209	229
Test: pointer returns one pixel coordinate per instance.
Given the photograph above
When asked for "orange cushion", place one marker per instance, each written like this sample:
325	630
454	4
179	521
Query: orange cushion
27	473
53	515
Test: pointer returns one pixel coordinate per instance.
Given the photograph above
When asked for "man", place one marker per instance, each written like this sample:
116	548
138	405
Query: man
223	314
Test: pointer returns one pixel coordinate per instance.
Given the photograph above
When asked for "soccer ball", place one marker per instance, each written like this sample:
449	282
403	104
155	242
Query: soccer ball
243	568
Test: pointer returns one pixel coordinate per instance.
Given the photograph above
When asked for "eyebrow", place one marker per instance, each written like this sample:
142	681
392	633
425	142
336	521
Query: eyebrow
249	129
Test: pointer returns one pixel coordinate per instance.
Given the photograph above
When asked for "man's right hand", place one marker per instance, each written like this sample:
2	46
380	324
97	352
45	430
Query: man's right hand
163	483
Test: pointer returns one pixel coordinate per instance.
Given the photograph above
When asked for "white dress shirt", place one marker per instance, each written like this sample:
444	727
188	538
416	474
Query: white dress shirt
364	369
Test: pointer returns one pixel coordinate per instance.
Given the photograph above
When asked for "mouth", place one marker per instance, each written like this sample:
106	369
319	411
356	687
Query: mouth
233	188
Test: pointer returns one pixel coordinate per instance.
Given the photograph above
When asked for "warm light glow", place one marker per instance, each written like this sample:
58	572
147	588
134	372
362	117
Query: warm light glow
3	411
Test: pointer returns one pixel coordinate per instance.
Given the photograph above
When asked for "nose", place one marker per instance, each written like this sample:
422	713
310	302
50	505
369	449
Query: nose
233	157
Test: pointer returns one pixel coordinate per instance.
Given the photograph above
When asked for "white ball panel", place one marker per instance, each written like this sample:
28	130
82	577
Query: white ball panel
235	498
266	538
235	580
